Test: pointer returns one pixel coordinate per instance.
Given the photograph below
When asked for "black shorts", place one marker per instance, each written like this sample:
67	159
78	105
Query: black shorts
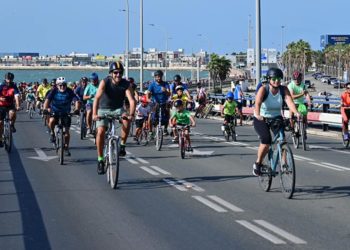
139	122
4	110
66	120
263	130
229	118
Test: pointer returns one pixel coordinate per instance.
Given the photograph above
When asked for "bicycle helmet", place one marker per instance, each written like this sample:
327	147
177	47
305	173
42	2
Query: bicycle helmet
44	81
116	66
158	73
297	75
53	81
131	80
180	87
61	80
9	76
178	103
229	95
84	79
177	78
94	76
144	99
274	72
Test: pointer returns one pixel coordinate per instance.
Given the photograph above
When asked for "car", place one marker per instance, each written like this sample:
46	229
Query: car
333	80
325	78
340	84
307	83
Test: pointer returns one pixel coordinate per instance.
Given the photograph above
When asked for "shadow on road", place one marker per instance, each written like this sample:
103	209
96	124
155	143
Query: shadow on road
321	192
33	228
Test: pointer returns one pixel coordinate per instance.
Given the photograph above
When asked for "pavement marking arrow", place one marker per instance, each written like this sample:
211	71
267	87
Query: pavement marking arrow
42	156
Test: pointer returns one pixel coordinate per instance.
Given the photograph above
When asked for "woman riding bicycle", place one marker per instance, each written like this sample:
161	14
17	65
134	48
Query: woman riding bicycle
345	110
268	104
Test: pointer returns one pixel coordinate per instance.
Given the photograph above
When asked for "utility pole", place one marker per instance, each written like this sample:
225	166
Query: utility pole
141	45
258	42
250	32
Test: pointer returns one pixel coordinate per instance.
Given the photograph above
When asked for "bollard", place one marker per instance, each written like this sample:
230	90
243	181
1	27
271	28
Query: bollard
325	110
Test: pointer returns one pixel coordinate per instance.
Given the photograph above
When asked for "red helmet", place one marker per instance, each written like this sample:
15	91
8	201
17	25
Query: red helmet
297	75
144	99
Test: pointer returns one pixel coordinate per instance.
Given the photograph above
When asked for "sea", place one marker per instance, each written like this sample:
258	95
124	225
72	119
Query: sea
36	75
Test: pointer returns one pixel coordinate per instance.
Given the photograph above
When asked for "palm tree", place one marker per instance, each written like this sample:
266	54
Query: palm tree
219	68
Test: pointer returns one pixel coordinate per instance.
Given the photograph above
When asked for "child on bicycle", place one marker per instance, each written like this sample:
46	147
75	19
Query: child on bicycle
229	109
143	112
30	98
182	117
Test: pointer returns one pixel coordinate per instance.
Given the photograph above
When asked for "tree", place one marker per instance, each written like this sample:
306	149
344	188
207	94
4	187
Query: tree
219	68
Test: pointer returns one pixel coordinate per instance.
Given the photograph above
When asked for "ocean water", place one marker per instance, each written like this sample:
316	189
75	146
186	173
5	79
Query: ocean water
24	75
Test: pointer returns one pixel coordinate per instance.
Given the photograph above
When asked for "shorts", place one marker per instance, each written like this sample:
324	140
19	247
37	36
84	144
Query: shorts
229	118
263	130
4	110
66	120
104	122
88	106
139	122
181	124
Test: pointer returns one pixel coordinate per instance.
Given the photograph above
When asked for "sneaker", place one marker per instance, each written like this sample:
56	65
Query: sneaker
1	144
346	136
27	110
175	140
256	169
88	131
52	138
165	133
13	129
135	138
101	167
67	152
122	151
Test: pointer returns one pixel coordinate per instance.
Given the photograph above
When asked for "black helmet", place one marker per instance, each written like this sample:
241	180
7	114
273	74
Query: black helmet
84	79
116	66
177	78
132	80
53	81
9	76
274	72
178	103
44	81
158	73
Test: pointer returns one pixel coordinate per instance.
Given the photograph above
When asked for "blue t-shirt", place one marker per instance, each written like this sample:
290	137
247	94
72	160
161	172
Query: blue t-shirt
61	101
156	90
80	92
236	93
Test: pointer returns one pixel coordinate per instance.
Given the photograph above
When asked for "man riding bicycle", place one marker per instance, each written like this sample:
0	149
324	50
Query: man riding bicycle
268	105
345	111
299	94
41	92
9	102
109	100
89	97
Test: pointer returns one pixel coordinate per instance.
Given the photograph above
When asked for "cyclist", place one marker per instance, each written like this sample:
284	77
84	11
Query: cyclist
41	92
178	82
238	97
268	104
143	113
79	92
9	102
30	97
182	117
160	92
109	99
59	101
298	92
345	110
229	109
180	96
89	96
134	94
201	98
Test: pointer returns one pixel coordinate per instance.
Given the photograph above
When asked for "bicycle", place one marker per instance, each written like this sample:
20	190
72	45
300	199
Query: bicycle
278	161
7	133
111	150
31	109
159	129
143	137
82	123
346	142
229	129
183	142
299	132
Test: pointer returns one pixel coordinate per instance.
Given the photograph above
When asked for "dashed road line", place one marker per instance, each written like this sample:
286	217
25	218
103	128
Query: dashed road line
160	170
141	160
177	186
132	161
225	203
191	185
336	166
210	204
150	171
325	166
280	232
303	158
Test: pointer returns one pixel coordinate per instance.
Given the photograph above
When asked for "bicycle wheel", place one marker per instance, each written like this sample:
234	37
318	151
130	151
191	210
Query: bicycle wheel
233	133
82	125
295	135
131	132
143	140
345	142
182	147
265	177
106	159
287	171
114	162
302	135
227	133
8	137
159	138
60	145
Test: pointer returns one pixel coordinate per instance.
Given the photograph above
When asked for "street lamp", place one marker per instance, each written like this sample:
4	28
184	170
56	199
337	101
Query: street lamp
141	45
127	40
166	47
282	33
258	42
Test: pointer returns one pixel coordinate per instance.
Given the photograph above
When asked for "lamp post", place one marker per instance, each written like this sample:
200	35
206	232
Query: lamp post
282	34
127	39
141	45
258	42
166	48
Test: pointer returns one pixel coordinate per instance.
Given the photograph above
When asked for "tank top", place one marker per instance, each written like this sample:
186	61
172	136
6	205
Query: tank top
272	106
114	94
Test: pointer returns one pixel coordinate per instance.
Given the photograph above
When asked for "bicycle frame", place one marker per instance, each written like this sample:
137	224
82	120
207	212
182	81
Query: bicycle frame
277	141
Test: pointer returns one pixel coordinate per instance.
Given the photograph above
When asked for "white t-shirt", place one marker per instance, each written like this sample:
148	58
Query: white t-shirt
142	112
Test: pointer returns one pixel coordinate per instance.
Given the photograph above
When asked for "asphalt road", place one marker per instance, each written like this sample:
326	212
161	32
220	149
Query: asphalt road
208	201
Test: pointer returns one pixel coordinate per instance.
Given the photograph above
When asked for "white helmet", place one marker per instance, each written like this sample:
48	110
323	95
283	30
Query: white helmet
61	80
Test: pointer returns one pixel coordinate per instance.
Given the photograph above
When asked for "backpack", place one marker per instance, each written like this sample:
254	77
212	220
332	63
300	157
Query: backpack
282	93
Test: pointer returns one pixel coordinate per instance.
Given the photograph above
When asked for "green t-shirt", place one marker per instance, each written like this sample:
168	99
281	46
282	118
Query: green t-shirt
230	108
182	117
296	90
90	90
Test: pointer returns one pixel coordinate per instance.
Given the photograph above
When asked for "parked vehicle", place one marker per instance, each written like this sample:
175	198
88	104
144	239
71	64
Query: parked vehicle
333	80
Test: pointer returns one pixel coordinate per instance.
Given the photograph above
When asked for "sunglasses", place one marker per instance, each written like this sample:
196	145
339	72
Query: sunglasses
276	79
62	85
118	72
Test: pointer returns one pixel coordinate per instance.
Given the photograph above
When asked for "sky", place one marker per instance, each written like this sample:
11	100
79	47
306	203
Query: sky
90	26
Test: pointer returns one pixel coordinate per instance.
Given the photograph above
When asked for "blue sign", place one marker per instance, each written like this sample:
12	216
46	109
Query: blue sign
334	39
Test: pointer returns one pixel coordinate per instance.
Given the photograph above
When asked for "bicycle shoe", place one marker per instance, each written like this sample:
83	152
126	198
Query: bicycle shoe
67	152
122	151
256	169
101	167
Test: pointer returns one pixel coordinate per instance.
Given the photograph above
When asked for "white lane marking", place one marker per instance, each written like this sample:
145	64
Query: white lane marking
225	203
325	166
260	232
334	165
191	185
237	143
298	157
148	170
93	140
254	148
210	204
132	161
160	170
142	160
173	184
328	148
280	232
